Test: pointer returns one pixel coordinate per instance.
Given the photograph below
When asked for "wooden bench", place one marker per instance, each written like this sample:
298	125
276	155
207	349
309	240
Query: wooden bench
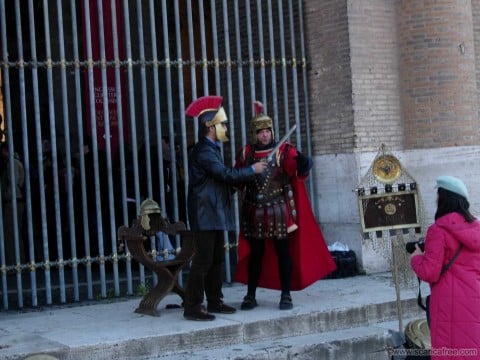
167	271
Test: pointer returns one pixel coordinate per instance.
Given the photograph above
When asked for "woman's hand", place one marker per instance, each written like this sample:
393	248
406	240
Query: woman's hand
417	251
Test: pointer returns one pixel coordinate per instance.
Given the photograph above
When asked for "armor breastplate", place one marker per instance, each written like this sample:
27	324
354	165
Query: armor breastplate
268	186
267	200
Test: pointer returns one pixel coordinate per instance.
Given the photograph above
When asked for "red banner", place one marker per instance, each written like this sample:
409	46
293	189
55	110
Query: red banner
98	85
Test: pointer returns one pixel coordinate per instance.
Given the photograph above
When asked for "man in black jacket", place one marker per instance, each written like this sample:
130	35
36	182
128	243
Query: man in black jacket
210	210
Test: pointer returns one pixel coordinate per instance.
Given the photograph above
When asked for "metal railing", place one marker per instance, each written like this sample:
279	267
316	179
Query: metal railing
116	76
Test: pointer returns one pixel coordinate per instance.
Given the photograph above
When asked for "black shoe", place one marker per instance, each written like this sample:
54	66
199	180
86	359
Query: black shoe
285	302
198	314
248	303
221	308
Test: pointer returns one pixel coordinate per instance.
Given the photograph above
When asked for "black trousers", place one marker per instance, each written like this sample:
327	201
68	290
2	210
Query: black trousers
257	249
206	270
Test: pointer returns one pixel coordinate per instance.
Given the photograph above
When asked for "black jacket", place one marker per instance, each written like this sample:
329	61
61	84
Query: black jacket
210	188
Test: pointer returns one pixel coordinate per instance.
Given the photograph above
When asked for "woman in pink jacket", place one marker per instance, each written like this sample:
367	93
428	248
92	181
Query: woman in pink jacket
455	292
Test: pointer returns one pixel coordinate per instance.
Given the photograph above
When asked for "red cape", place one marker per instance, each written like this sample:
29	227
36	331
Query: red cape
311	258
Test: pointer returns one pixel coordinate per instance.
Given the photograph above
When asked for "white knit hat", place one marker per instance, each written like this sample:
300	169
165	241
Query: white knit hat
452	184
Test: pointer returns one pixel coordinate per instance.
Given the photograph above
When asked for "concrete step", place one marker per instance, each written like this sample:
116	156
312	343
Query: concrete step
363	342
366	332
351	318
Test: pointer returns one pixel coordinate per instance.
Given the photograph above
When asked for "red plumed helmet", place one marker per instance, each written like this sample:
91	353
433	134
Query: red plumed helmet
204	104
216	114
260	120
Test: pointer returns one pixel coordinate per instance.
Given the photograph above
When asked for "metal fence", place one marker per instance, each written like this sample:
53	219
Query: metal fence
92	103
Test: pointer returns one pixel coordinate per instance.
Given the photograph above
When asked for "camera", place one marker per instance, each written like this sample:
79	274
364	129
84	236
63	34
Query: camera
410	246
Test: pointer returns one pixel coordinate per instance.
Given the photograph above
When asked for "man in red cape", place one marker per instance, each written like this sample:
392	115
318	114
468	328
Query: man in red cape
280	245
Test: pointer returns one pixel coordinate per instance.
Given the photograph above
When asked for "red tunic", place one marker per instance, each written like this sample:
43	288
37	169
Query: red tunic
310	256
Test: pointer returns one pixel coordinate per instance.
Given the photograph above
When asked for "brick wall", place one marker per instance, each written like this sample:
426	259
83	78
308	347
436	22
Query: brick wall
476	43
375	80
327	46
400	73
437	67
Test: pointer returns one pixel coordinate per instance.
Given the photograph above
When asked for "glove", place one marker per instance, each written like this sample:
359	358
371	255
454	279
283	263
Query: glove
304	164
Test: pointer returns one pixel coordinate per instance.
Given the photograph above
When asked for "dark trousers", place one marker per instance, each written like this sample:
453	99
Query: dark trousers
205	275
257	249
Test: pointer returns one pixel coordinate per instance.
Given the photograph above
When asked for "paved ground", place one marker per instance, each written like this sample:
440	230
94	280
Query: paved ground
114	330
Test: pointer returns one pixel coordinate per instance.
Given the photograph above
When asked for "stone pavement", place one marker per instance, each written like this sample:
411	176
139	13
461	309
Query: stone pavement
349	318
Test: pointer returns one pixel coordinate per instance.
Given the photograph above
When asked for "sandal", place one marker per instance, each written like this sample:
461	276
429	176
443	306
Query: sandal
248	303
285	302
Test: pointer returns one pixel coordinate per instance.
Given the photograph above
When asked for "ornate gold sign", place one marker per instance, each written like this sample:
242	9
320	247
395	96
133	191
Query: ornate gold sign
387	169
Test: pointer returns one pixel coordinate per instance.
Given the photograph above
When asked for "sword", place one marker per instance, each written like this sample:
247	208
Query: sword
280	143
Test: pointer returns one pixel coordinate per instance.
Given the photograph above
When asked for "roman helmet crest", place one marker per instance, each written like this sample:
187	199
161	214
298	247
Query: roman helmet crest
209	111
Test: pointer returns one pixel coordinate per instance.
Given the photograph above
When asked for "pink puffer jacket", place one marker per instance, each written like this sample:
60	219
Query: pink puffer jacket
455	295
